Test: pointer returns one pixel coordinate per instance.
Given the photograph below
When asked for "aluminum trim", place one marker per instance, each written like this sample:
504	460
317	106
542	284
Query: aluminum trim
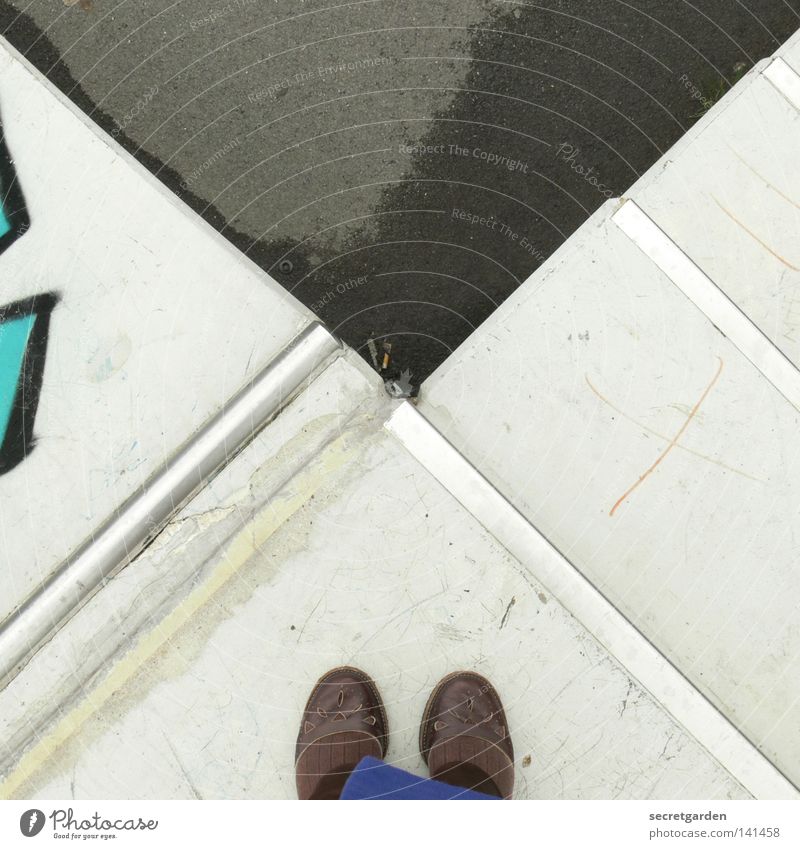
720	310
785	79
123	534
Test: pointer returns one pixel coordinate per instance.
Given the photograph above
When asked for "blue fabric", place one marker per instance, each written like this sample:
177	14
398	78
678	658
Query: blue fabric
374	779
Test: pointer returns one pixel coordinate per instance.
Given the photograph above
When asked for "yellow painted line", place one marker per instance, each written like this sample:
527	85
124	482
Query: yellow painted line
239	551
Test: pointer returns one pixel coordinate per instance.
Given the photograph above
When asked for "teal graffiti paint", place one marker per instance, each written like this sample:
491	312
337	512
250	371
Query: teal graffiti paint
24	331
5	224
14	336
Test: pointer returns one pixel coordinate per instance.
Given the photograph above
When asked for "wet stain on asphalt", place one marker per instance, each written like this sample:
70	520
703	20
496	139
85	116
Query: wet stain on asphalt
401	172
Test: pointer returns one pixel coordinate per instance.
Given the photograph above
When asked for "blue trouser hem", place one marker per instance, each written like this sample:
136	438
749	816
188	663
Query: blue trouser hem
374	779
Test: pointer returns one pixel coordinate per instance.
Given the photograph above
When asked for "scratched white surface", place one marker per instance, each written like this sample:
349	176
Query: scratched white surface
702	556
729	195
382	568
159	323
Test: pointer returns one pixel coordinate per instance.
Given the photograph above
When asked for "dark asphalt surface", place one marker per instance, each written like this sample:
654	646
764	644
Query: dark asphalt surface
401	167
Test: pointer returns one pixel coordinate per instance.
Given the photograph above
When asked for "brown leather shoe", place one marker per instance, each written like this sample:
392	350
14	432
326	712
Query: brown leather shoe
464	736
343	721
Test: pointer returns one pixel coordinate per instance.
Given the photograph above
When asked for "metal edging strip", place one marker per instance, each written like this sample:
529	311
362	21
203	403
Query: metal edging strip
785	79
123	535
668	686
710	299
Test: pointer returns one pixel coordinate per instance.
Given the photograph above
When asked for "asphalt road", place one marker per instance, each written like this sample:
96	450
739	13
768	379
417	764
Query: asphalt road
401	167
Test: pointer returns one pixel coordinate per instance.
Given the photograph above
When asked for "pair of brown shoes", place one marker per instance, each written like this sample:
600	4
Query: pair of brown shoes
463	736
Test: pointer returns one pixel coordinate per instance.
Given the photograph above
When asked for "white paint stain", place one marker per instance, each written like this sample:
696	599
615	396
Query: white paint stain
109	358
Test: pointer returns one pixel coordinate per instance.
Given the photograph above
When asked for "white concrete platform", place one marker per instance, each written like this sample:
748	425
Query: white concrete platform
356	555
650	451
159	321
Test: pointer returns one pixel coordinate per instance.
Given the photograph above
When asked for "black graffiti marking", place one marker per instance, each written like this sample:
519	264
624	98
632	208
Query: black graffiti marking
18	441
14	210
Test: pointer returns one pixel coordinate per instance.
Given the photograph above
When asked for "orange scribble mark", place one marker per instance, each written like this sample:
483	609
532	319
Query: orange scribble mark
764	179
650	430
754	236
672	442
